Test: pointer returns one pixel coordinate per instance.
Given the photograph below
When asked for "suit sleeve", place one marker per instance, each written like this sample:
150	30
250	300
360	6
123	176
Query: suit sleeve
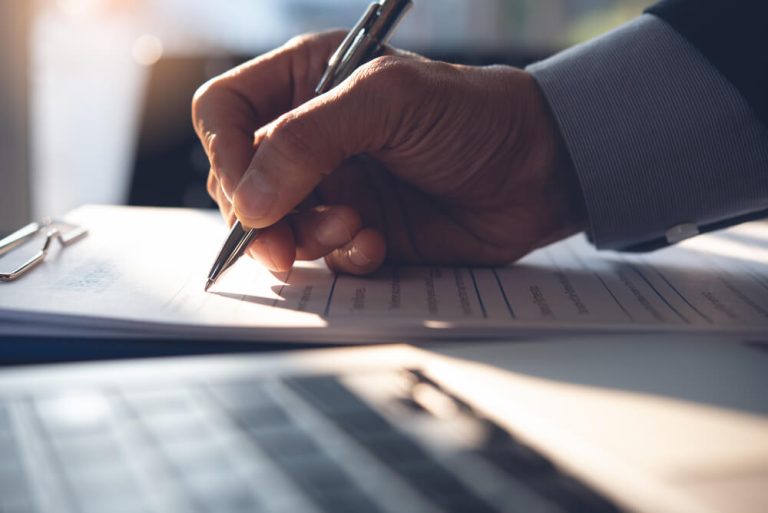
732	35
665	143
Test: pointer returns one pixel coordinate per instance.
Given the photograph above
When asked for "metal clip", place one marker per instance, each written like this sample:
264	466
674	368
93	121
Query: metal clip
66	238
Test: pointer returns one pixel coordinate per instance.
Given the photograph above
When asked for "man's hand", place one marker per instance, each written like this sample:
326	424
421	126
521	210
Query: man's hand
409	159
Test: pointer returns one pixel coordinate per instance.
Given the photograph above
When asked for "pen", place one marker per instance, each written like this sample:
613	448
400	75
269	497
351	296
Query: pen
362	43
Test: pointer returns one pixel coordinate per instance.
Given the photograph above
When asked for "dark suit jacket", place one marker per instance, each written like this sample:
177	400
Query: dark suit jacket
666	120
732	35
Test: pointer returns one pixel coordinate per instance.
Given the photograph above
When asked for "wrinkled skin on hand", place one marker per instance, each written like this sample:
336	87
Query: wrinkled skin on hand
408	160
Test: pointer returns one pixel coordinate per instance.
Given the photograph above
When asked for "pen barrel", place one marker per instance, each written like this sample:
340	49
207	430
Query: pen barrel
365	50
391	13
364	41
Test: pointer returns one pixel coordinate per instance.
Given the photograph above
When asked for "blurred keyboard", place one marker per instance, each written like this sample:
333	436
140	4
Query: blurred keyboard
291	445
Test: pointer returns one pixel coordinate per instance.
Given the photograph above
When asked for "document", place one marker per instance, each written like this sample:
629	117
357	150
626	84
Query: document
141	271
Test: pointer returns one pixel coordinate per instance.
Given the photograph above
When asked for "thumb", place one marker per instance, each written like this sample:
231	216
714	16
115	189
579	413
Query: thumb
297	150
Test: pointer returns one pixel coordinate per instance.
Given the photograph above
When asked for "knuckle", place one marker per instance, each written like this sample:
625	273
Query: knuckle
291	136
204	101
215	150
314	38
212	185
387	72
203	95
300	40
303	143
395	89
303	41
215	143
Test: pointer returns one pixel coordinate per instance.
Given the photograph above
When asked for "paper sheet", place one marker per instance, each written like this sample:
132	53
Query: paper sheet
141	273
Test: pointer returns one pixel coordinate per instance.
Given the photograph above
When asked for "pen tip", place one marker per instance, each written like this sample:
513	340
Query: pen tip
208	285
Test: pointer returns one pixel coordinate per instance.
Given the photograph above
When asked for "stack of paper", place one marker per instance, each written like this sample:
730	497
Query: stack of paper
141	272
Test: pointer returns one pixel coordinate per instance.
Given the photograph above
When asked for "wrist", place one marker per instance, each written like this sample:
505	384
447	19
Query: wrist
573	214
566	208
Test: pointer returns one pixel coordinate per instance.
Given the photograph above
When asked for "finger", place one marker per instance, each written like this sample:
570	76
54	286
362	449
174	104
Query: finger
227	110
274	247
323	229
226	132
216	193
301	147
362	255
212	186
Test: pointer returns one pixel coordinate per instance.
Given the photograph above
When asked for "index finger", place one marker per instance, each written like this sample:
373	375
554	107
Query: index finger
227	110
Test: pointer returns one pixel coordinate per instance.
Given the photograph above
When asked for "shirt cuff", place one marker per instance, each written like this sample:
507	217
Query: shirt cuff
660	140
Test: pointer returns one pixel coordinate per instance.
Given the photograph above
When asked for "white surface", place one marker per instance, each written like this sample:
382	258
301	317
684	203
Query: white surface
141	272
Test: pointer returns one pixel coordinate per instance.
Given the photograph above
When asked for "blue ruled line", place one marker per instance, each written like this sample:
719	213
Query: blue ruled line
330	296
477	291
504	294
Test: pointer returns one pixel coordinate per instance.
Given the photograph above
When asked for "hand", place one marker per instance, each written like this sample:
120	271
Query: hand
409	159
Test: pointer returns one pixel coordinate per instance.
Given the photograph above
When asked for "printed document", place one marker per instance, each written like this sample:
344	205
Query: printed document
141	272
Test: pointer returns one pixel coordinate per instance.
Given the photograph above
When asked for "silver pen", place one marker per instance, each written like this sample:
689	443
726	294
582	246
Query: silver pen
362	43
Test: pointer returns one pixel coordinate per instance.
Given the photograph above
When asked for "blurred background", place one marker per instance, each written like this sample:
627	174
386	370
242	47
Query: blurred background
95	95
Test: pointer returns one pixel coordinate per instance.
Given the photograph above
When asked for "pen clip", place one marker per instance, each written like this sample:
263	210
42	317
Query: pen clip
340	56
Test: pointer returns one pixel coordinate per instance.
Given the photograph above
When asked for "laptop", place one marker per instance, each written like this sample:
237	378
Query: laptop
607	424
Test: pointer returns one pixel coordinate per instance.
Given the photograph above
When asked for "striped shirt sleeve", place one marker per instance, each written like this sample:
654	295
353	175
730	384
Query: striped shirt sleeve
663	145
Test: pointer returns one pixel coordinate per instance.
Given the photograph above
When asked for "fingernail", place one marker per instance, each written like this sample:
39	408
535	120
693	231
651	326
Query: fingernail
359	258
255	195
332	232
